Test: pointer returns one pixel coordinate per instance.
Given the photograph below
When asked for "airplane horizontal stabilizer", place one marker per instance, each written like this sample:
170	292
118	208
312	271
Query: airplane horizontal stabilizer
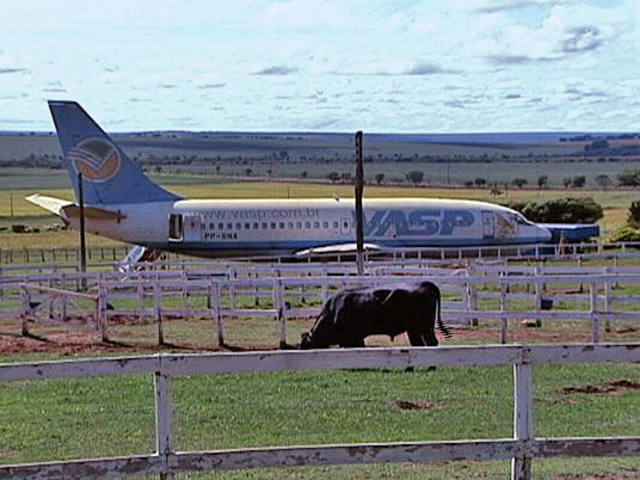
54	205
68	210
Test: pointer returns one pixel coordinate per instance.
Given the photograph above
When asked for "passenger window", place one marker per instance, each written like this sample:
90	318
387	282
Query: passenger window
220	226
264	225
273	225
256	226
346	224
229	225
247	226
290	225
212	226
238	226
281	225
336	224
298	224
307	224
325	224
316	224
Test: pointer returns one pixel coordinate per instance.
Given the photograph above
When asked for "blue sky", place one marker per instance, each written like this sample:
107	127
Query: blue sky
313	65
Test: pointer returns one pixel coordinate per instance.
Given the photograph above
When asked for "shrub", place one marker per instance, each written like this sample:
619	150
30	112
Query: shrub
564	210
629	178
626	234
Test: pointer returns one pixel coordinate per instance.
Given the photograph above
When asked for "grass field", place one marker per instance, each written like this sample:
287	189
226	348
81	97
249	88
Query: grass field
615	203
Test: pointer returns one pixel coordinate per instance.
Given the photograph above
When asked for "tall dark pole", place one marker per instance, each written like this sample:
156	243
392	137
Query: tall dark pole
359	187
83	243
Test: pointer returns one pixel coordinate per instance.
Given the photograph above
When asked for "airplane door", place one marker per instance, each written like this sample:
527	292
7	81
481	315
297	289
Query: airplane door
192	228
488	225
175	227
345	226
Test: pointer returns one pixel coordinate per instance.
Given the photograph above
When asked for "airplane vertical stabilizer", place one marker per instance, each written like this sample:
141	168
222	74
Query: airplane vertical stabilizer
109	176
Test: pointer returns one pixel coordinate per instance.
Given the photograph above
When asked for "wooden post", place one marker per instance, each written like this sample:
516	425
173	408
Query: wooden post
164	421
359	188
140	289
280	313
607	301
83	241
595	320
157	310
213	303
538	298
522	418
472	297
101	319
26	308
503	308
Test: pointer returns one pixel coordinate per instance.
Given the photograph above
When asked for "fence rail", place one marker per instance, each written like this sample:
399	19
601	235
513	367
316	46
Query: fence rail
522	448
279	297
116	253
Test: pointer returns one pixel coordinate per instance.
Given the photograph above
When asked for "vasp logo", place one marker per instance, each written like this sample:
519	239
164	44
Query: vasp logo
97	159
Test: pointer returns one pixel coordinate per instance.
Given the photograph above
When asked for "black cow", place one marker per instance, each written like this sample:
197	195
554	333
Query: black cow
350	316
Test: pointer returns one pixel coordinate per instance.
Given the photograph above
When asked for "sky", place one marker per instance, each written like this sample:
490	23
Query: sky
431	66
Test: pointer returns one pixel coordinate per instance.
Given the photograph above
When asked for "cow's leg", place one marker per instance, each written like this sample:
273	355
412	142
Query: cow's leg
415	338
430	338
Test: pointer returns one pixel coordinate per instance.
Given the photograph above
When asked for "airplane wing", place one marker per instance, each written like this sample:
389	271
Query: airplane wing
67	209
340	248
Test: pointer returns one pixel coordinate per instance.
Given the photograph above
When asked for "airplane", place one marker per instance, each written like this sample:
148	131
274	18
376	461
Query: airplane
122	203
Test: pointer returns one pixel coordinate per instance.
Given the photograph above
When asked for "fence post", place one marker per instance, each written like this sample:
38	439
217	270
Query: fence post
281	316
503	308
472	297
607	301
213	301
595	320
26	307
523	429
101	319
538	298
141	302
164	420
157	310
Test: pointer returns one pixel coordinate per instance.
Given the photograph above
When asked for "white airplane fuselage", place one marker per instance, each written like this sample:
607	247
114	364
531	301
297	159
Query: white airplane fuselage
240	227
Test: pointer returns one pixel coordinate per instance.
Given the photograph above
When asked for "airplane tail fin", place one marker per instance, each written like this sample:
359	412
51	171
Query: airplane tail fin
108	175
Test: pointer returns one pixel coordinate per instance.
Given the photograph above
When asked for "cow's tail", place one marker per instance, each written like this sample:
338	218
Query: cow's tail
441	326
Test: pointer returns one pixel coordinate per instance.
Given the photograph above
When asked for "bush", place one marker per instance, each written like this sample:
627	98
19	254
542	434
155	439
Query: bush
629	178
564	210
626	234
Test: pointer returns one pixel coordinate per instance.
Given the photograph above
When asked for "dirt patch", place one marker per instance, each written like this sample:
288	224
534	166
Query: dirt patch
613	387
409	405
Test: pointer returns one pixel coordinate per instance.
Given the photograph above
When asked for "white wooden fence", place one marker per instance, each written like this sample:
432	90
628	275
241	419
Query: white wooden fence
522	448
108	255
222	294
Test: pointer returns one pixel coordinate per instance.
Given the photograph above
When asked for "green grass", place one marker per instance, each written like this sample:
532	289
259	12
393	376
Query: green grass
114	416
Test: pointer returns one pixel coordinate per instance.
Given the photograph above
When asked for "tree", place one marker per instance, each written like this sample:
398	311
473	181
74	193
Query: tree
248	172
579	181
629	178
566	182
333	176
480	182
303	174
415	176
543	180
519	182
603	181
379	178
634	212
